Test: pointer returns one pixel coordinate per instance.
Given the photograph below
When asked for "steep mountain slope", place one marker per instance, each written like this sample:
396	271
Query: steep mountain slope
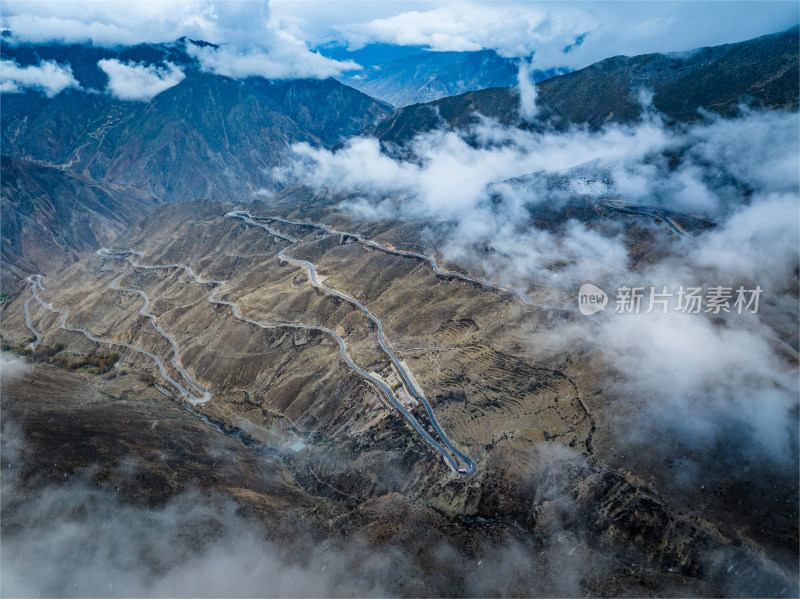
540	427
50	217
758	72
434	75
208	136
83	58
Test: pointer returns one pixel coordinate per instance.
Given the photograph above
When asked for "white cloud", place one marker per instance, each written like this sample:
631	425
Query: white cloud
705	381
252	45
285	59
453	175
591	30
700	379
140	82
758	242
187	548
527	91
48	77
113	23
513	29
11	367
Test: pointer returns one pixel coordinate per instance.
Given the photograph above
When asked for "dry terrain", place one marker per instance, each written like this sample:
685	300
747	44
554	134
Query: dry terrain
556	488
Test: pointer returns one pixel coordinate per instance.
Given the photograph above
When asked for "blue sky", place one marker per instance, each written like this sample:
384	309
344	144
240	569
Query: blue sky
281	36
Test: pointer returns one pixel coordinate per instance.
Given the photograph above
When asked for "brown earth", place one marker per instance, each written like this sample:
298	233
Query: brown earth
553	479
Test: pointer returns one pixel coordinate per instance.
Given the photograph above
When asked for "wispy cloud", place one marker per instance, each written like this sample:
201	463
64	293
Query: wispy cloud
496	186
11	367
527	91
286	58
139	82
48	77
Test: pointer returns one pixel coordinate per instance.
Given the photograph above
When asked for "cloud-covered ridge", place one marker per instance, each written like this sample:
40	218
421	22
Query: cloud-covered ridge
139	81
495	186
286	59
570	35
250	42
49	77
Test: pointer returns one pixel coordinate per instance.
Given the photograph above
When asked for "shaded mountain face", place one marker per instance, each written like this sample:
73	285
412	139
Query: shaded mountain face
50	217
759	72
434	75
83	58
208	136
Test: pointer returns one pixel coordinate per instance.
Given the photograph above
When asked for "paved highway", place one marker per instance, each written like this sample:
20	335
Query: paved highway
467	466
447	449
27	313
445	273
36	282
645	210
390	250
195	399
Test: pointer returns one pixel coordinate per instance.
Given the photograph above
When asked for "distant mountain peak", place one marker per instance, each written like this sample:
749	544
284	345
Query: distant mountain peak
429	76
718	79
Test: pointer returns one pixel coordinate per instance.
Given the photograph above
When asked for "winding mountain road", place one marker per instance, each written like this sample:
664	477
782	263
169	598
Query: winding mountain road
194	399
36	282
652	211
457	460
469	465
27	312
466	466
390	250
430	260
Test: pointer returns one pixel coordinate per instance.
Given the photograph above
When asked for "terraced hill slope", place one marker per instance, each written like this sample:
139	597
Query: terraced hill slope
537	427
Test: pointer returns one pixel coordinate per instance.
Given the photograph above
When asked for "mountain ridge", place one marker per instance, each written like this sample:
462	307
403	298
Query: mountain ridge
434	75
50	217
207	136
718	79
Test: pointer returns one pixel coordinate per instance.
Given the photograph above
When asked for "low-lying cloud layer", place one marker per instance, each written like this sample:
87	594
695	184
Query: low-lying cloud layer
488	180
48	76
139	82
86	542
76	537
496	185
11	367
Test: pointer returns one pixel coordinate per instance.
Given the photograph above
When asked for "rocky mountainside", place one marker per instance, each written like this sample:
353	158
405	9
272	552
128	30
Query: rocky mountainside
759	72
208	136
237	359
434	75
50	217
555	485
